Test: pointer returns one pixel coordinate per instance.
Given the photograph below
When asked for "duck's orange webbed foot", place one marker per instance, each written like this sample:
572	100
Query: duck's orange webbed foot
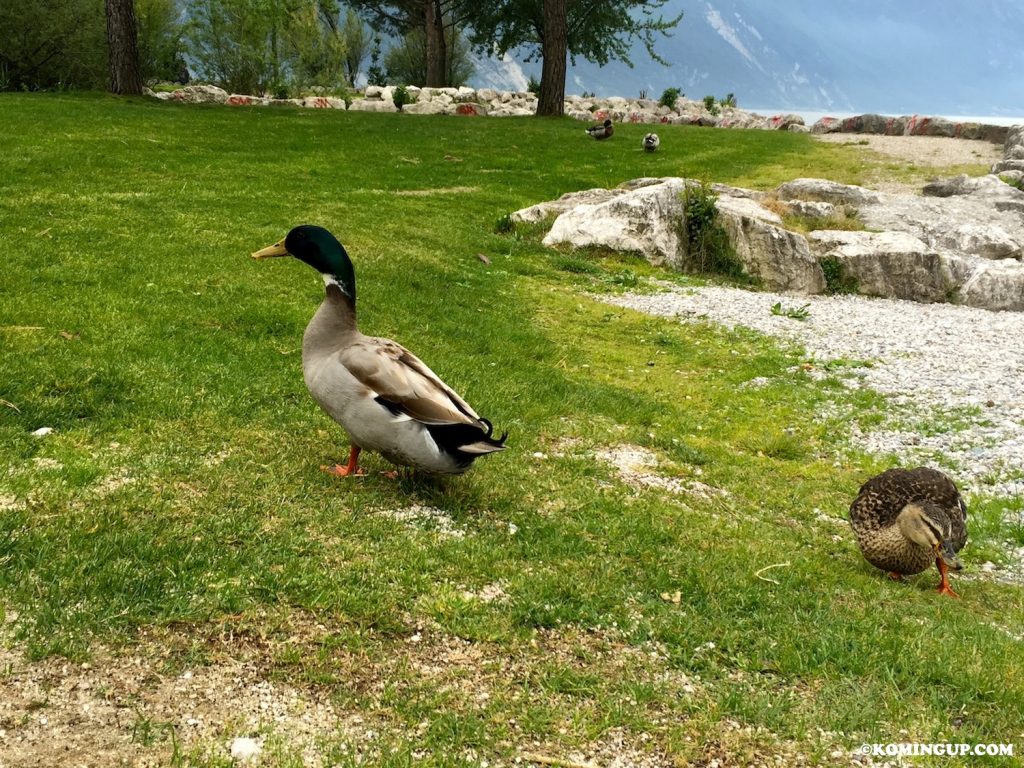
944	588
352	468
895	576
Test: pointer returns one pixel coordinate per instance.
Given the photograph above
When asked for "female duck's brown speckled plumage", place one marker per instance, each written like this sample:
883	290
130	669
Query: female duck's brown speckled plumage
907	519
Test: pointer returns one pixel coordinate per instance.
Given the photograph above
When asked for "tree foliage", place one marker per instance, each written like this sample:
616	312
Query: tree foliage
357	44
596	30
161	53
52	44
260	46
406	62
429	27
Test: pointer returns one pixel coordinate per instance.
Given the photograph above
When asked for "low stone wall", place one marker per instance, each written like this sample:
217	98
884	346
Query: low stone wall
494	103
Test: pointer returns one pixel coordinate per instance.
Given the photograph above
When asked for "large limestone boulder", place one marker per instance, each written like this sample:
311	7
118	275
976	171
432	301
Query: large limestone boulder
371	105
1013	151
995	285
566	202
200	94
647	216
424	108
822	190
893	265
966	245
779	259
644	221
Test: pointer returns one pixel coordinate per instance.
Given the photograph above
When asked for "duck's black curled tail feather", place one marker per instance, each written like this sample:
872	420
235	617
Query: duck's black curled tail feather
464	442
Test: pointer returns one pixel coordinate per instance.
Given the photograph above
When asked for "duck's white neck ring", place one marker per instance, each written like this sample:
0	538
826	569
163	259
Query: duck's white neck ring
333	280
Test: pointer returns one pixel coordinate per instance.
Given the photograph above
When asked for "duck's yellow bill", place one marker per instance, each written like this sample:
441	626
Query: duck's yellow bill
277	249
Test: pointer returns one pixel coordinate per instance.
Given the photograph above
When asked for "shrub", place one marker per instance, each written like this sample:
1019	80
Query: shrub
504	225
708	244
835	279
728	101
711	105
401	97
669	97
533	86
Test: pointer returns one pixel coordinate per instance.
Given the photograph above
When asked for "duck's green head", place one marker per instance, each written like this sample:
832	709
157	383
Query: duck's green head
321	250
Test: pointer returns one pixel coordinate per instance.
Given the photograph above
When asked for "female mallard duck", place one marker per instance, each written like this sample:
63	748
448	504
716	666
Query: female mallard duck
382	395
905	519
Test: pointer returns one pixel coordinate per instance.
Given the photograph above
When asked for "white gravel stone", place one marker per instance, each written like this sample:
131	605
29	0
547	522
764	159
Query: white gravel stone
933	361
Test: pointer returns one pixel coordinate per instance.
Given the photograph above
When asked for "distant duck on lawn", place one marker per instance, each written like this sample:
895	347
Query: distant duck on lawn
651	142
602	131
381	394
906	519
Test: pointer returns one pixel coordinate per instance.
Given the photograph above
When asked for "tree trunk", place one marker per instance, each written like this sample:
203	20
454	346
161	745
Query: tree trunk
432	26
442	45
553	50
123	47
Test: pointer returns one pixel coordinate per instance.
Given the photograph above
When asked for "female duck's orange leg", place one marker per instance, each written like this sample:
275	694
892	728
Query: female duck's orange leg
944	588
352	468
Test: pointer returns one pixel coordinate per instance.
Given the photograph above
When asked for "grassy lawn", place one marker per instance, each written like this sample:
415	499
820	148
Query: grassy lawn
544	603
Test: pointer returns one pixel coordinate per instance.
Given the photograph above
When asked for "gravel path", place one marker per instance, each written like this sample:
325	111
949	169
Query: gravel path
958	369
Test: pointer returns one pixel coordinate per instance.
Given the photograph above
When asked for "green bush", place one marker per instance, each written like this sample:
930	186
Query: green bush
669	97
728	101
401	97
711	105
835	280
708	244
533	86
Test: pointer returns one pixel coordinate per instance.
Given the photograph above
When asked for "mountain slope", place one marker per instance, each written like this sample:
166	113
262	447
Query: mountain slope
895	56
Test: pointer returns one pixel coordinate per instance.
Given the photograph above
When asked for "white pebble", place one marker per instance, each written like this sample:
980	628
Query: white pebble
42	432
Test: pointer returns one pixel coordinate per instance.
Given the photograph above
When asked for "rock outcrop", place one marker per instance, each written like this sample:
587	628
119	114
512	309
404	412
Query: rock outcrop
488	101
1012	164
962	241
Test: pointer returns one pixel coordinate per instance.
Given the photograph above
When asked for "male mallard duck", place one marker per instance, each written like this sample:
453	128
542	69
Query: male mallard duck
382	395
651	142
904	519
602	131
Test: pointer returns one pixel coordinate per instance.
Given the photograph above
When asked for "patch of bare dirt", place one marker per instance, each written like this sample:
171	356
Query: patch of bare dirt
937	151
636	465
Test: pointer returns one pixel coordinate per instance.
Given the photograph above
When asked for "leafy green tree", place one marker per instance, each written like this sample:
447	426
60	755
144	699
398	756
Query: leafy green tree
160	40
255	46
52	44
236	42
437	20
406	62
315	52
357	44
552	30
